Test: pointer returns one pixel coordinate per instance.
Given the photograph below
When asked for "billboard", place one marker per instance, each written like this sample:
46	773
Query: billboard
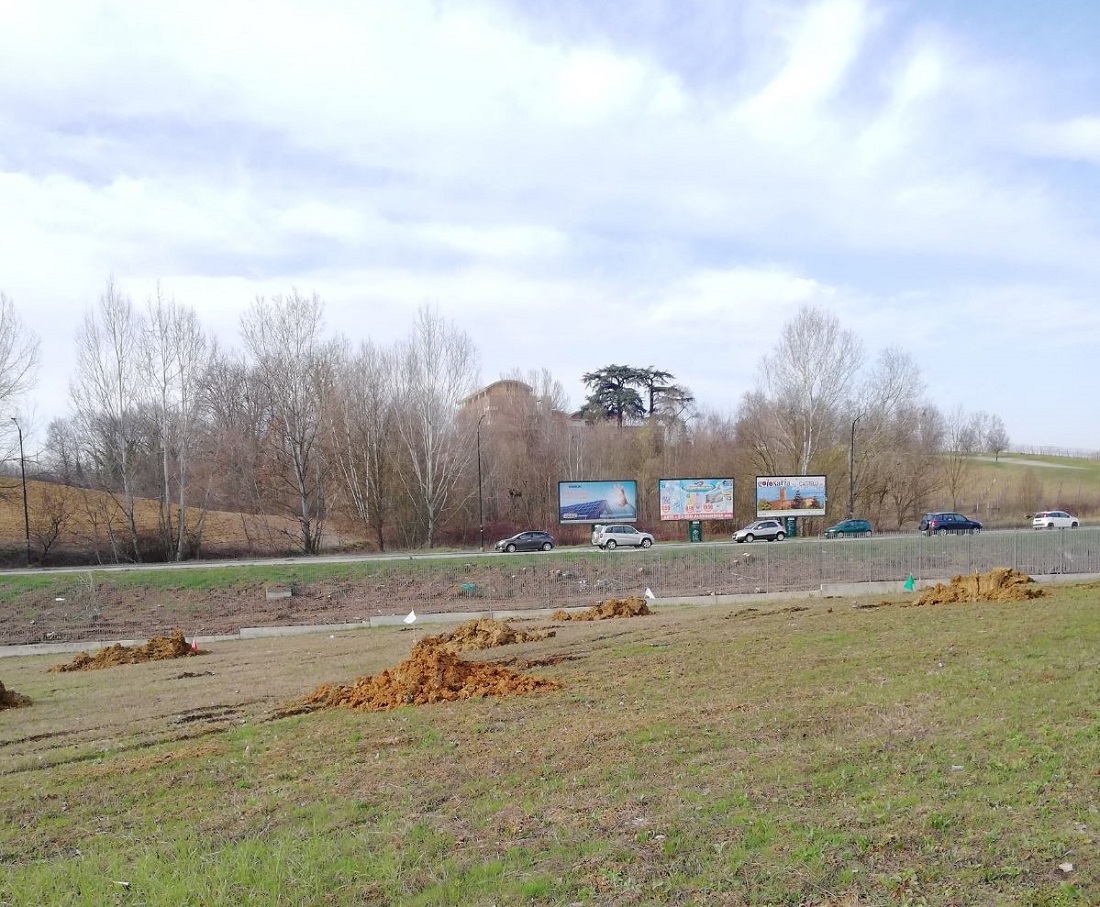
782	496
597	502
696	499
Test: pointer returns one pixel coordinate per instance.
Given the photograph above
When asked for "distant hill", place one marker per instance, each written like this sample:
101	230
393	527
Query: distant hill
80	518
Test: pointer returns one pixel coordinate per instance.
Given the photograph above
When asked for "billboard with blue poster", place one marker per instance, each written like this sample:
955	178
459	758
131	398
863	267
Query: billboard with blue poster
598	502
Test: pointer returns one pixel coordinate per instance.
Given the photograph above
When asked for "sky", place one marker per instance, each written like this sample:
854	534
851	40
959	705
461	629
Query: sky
577	183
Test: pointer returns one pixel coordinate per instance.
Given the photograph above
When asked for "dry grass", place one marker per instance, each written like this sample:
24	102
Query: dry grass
84	513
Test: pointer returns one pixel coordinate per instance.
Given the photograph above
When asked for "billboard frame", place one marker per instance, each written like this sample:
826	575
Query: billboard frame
815	483
684	514
590	512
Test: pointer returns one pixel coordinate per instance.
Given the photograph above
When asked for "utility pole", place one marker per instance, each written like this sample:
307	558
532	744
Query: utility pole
480	499
852	468
26	511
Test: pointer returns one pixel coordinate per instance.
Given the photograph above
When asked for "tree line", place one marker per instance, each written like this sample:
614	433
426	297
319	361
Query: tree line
393	446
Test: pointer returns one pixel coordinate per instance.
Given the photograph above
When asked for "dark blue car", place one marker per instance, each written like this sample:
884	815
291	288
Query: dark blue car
944	522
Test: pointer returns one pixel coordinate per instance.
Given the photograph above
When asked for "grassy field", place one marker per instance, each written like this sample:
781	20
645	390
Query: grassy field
825	753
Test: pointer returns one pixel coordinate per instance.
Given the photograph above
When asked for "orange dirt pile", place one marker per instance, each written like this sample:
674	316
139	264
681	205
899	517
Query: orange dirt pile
158	648
1001	584
430	674
483	634
614	607
9	699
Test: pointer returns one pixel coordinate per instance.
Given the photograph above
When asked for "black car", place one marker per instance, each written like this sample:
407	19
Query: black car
530	540
944	522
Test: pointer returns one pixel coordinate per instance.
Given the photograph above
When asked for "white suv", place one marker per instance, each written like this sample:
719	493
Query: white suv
1054	519
617	534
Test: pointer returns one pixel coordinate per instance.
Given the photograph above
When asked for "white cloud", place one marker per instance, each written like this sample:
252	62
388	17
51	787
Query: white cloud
558	194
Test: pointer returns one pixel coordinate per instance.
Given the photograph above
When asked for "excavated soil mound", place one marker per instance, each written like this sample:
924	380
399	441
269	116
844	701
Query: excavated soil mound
9	699
1001	584
158	648
483	634
430	674
615	607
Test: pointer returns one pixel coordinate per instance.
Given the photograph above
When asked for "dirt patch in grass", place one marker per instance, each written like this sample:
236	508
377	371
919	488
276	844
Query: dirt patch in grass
9	699
159	648
430	674
484	634
615	607
1001	584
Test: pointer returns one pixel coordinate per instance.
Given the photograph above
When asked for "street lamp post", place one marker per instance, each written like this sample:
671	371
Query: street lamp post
480	500
852	468
23	473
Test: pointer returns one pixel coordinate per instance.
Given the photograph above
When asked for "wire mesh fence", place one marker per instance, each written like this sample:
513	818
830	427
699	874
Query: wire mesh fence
90	604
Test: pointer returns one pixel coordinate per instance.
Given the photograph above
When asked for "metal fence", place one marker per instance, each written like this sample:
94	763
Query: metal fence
570	578
331	591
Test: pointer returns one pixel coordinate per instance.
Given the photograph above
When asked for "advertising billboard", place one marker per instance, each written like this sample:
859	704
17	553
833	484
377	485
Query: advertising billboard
597	502
782	496
696	499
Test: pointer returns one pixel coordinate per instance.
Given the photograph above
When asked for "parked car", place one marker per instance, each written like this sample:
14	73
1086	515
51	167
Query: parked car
768	530
943	522
1054	519
530	540
617	534
861	528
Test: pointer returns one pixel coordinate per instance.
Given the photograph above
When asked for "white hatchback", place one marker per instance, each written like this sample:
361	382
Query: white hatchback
1054	519
618	534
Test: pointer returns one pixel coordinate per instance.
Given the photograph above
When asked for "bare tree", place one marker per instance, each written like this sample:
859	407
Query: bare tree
295	365
19	353
176	357
996	437
54	509
808	380
961	442
436	369
107	396
526	449
891	393
363	429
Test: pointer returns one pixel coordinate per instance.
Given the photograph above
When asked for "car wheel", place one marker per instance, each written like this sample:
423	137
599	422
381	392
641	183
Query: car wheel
941	532
511	549
610	543
1073	525
646	543
867	534
1050	525
546	546
749	538
779	536
977	530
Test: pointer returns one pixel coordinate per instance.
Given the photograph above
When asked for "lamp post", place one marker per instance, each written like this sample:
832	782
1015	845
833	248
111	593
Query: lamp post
852	468
480	500
23	473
